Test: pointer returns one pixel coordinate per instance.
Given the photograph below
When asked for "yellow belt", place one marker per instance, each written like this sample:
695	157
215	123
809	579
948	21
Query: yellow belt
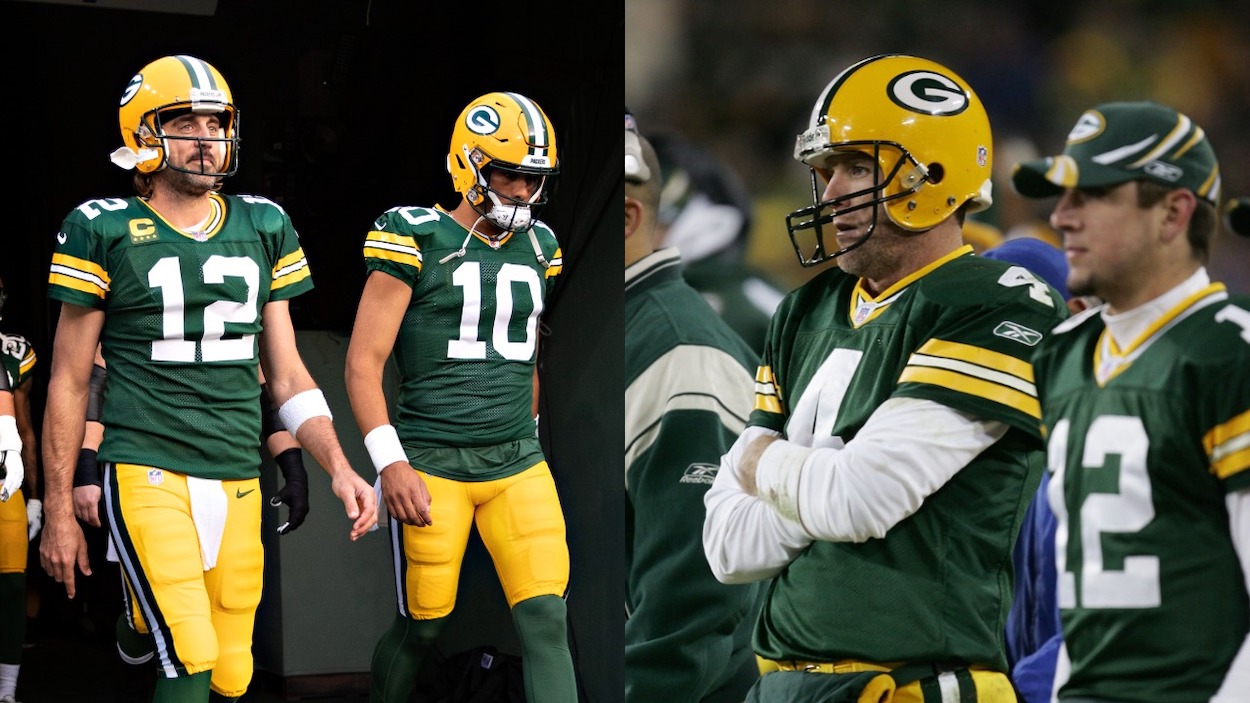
846	666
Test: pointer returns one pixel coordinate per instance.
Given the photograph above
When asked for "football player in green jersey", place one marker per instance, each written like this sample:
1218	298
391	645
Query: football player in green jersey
688	393
134	645
895	442
20	511
187	290
1146	404
457	295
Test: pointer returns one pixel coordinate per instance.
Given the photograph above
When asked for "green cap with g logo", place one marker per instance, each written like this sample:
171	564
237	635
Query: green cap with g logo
1118	142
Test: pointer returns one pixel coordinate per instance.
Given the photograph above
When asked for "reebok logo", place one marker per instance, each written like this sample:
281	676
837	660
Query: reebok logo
240	492
1018	333
700	473
1167	172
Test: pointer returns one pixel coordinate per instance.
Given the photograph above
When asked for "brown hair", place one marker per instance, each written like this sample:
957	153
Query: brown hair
143	184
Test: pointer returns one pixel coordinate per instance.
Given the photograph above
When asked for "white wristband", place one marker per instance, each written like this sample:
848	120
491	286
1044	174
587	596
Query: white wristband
302	407
777	477
9	437
384	448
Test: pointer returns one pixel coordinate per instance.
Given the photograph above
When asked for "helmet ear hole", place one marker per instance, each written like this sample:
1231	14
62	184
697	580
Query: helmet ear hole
936	173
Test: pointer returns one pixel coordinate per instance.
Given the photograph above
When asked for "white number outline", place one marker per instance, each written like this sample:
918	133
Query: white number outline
1128	510
468	276
814	416
1019	276
166	275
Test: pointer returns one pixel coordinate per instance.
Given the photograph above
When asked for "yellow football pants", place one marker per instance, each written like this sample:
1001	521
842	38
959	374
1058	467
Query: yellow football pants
199	619
520	522
13	544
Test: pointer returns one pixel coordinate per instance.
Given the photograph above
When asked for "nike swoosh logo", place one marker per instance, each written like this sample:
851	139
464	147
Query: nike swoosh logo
240	493
60	237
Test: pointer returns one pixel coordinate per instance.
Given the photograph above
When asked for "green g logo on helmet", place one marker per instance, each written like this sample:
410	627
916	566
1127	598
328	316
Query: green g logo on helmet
482	120
928	93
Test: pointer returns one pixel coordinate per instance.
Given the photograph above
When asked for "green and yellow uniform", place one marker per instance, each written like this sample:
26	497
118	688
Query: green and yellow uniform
465	352
17	362
1145	443
180	340
936	588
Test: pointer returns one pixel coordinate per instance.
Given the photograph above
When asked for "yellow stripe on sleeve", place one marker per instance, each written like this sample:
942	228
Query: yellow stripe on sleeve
968	385
388	246
1228	445
767	397
980	356
79	274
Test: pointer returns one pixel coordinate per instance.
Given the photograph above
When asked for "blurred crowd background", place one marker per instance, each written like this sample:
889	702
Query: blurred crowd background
739	77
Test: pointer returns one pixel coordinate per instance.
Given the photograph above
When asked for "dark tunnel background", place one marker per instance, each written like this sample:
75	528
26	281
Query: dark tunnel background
346	109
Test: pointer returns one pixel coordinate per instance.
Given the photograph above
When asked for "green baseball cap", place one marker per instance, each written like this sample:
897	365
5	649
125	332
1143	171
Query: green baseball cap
1118	142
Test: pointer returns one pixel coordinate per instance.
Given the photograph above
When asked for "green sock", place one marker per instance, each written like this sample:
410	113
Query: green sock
397	658
541	624
12	617
184	689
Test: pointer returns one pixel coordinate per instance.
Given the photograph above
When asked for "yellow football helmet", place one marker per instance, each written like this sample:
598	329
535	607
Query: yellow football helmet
167	87
505	131
927	132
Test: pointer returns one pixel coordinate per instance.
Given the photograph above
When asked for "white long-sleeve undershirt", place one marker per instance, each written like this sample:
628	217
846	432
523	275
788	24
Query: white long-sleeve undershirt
906	451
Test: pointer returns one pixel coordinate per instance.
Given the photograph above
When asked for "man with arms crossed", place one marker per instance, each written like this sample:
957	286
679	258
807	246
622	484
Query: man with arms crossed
894	444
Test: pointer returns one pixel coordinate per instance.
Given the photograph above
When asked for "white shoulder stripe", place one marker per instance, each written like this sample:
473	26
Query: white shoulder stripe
688	377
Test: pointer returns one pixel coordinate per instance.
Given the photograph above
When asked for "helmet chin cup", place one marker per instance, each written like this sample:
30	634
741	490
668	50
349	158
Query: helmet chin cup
513	218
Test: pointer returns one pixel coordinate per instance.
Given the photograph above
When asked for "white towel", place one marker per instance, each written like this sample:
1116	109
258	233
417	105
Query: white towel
208	511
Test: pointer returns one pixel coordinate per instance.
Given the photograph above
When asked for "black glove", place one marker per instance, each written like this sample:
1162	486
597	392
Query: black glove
294	493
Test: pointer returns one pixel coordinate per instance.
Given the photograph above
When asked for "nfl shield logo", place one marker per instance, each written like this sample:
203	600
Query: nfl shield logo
156	477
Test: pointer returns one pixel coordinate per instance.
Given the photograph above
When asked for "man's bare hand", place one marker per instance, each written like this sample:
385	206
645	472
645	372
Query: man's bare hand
87	504
62	549
407	498
359	501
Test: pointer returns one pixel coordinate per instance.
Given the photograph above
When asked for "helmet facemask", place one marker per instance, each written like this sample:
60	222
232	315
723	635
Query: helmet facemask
163	90
896	174
877	106
151	134
509	132
505	212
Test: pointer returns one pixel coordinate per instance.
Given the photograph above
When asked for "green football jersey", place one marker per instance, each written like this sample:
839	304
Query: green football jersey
937	587
468	342
181	325
687	396
17	358
1145	443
